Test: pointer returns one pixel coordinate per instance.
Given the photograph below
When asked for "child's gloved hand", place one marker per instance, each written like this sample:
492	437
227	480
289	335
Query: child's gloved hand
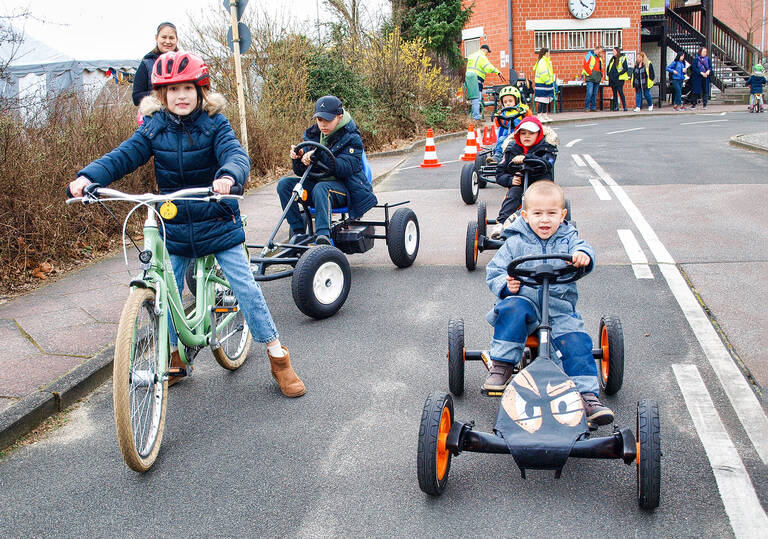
223	184
513	285
581	259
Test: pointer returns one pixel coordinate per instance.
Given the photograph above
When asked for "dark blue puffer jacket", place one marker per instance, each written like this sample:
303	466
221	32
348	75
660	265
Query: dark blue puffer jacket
189	151
346	145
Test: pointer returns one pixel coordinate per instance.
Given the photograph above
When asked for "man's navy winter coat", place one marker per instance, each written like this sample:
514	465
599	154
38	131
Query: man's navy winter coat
346	145
189	151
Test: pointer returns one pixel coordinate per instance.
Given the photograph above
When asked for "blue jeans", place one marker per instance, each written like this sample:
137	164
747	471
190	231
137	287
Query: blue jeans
590	101
251	301
477	108
324	196
516	318
677	92
639	93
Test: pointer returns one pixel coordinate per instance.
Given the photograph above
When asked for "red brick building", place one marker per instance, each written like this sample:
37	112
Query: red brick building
549	23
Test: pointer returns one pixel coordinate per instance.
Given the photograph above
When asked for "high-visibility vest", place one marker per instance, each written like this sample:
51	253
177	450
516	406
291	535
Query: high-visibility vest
478	64
543	72
619	62
648	79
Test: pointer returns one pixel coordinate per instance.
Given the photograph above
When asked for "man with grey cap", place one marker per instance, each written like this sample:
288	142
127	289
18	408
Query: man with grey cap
347	183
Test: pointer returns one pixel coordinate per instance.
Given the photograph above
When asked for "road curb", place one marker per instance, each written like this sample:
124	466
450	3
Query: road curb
736	140
29	412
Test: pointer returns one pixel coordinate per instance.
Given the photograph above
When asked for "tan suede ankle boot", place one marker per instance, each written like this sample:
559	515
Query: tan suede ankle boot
290	384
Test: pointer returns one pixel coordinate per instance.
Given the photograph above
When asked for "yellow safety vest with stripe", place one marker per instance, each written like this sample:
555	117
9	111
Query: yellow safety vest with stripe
478	64
619	62
543	72
648	78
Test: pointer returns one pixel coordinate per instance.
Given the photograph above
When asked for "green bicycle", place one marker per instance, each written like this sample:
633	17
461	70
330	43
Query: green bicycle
142	347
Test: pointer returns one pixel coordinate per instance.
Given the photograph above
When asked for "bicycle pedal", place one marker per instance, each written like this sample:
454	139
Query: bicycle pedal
591	426
491	392
178	372
225	309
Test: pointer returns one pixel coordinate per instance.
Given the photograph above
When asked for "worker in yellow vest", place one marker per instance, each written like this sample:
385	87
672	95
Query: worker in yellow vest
618	72
478	67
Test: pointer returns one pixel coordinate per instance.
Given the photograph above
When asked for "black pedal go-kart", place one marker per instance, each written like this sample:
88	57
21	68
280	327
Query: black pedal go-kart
475	176
477	240
541	419
320	274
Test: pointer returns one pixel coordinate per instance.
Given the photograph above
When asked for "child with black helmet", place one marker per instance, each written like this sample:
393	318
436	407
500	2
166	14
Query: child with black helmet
193	145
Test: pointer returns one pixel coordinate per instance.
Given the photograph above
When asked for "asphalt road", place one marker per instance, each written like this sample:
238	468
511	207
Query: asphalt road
238	459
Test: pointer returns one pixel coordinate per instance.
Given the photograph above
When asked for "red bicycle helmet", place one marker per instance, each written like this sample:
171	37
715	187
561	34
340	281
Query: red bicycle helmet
175	67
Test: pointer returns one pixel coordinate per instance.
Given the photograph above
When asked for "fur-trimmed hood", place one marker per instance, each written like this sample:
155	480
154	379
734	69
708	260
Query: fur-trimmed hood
214	104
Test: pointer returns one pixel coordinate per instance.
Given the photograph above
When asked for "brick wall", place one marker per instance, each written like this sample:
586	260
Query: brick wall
492	15
742	16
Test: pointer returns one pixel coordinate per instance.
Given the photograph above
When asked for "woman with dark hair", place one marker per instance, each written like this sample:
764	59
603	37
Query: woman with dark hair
618	72
543	81
166	40
701	69
676	71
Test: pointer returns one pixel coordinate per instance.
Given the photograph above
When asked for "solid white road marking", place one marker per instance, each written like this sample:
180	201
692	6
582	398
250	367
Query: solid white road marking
636	255
602	192
574	141
747	517
742	397
584	125
703	122
578	160
624	130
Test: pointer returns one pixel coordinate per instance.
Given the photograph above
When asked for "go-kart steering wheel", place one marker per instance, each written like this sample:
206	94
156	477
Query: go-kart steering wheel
318	166
505	121
533	165
535	276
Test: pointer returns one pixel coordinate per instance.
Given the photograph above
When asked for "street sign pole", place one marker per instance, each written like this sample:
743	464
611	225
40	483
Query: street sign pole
238	73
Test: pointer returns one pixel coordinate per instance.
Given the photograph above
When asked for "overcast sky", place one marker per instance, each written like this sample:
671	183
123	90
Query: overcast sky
107	29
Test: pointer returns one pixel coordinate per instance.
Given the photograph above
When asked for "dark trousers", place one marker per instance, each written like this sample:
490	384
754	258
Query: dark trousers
618	92
511	203
677	92
324	196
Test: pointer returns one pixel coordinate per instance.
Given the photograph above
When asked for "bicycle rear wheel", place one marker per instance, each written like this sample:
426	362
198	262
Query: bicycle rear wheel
140	395
233	336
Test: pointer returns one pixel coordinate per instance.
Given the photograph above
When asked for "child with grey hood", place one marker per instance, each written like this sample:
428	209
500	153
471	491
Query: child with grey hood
517	313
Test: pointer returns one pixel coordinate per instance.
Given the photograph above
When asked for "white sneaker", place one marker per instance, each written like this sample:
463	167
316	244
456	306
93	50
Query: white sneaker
637	109
496	231
650	108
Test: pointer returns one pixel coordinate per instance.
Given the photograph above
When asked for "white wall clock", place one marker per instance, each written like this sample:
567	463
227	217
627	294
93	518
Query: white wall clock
581	9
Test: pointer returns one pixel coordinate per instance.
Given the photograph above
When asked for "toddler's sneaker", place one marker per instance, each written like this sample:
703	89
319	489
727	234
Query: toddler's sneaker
491	160
499	376
496	231
597	413
323	240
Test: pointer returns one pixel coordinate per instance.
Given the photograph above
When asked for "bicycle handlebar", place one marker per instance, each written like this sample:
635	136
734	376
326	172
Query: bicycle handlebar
92	194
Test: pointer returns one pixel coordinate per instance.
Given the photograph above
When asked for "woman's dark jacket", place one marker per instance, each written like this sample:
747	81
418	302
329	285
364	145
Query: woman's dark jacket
142	80
346	145
640	77
615	70
698	82
189	151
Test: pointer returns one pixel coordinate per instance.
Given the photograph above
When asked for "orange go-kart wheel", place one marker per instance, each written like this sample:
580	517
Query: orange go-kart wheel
433	461
611	366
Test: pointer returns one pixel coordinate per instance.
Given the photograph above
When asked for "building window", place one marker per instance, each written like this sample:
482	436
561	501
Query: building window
471	46
576	40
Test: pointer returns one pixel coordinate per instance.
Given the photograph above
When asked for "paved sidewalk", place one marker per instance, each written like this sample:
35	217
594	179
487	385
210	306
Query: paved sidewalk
57	339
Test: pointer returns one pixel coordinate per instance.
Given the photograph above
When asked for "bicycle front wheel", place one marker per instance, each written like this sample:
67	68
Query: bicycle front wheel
140	395
231	328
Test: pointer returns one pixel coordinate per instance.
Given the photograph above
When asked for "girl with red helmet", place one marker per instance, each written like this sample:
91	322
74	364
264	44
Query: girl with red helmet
193	145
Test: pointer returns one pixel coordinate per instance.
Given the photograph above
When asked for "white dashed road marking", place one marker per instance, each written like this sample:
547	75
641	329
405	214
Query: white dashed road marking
602	192
579	160
747	517
584	125
624	130
743	399
636	255
574	141
703	122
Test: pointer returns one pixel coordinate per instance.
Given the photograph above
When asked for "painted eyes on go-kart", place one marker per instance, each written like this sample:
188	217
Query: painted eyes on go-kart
567	408
564	403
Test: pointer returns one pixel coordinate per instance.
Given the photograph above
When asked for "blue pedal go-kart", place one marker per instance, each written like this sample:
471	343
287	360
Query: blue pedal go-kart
320	274
541	419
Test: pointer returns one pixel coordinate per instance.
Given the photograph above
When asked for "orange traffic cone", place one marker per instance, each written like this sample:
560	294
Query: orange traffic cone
430	152
486	136
470	148
494	139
